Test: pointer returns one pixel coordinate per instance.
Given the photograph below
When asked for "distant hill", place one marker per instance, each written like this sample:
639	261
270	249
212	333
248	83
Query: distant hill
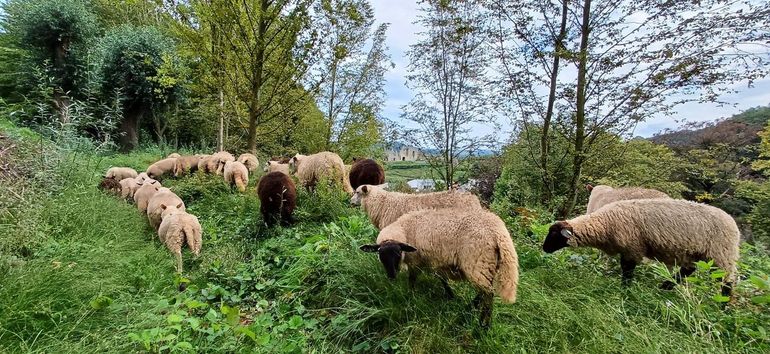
395	146
738	130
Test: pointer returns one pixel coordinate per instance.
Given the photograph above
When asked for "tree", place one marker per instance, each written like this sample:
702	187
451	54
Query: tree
355	62
447	72
130	61
620	64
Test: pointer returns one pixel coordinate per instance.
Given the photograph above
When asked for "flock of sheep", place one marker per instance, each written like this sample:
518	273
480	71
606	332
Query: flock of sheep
448	233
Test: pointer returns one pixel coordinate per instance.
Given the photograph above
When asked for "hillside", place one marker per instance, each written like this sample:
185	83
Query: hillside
738	131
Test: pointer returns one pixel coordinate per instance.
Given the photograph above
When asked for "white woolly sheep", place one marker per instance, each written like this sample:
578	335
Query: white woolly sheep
166	197
312	168
119	173
129	186
161	168
143	194
674	232
236	174
173	155
455	243
384	207
142	177
275	166
203	161
216	162
186	164
178	228
250	161
602	195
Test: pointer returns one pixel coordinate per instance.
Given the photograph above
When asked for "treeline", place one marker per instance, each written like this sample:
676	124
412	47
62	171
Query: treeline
272	76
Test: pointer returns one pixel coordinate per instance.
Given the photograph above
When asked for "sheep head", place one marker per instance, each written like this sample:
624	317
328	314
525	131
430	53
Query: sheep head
558	237
360	193
390	253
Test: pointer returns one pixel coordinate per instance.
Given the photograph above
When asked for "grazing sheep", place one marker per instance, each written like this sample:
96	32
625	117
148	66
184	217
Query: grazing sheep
185	164
250	161
178	228
384	208
202	162
236	174
602	195
161	168
311	168
455	243
110	185
129	186
164	196
216	162
143	194
674	232
275	166
173	155
366	171
119	173
278	197
142	177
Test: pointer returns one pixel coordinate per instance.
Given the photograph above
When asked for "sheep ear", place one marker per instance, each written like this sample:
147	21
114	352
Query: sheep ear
566	233
589	187
163	206
365	189
405	247
370	248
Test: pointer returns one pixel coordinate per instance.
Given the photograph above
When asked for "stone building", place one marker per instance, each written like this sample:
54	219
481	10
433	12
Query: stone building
404	153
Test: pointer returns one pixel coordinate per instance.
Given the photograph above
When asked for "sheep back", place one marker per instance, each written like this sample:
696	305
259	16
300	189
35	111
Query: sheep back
250	161
366	171
162	198
602	195
277	196
161	168
143	194
185	164
119	173
312	168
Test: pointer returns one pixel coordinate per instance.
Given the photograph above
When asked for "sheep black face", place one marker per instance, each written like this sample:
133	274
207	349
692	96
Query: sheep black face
390	254
557	238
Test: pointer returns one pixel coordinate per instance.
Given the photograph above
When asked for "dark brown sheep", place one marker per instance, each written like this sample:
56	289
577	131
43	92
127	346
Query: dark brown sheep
110	185
366	171
278	197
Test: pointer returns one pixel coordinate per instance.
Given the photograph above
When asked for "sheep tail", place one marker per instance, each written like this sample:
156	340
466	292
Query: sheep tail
507	270
193	238
240	182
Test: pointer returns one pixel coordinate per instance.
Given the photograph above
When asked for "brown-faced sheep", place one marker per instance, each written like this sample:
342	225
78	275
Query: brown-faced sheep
110	185
216	162
602	195
312	168
161	168
119	173
455	243
143	194
278	197
178	228
185	164
250	161
674	232
166	197
236	174
275	166
173	155
366	171
384	208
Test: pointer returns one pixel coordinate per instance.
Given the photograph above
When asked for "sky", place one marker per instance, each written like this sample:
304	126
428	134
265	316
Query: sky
402	32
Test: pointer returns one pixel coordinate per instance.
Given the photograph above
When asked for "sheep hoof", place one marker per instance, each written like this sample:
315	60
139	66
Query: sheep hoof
667	285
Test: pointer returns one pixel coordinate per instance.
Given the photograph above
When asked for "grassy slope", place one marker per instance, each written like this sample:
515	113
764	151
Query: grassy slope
309	288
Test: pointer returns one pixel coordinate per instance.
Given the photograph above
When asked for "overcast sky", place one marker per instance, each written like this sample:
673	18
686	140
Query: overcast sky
401	13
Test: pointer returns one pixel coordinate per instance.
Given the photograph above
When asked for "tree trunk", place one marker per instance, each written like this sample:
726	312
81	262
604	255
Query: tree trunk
60	100
545	147
220	142
130	128
578	159
330	114
254	107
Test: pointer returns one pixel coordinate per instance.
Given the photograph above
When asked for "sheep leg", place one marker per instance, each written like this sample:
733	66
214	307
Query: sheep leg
178	256
412	277
684	272
448	289
486	301
627	267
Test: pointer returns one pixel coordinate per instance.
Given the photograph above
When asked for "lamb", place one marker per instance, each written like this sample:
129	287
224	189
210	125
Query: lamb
455	243
384	208
277	196
161	168
366	171
119	173
143	194
236	174
602	195
275	166
186	164
166	197
173	155
250	161
110	185
311	168
216	162
674	232
178	228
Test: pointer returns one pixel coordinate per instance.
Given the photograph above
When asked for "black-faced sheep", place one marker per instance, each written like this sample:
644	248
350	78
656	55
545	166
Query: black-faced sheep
278	198
143	194
366	171
236	174
602	195
166	197
312	168
674	232
250	161
110	185
119	173
178	228
161	168
460	244
186	164
384	208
